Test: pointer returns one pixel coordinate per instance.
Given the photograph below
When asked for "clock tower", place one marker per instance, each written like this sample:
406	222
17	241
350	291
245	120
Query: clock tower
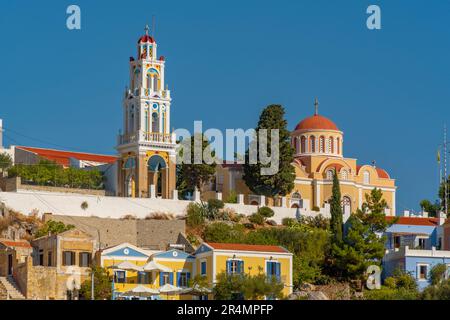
146	146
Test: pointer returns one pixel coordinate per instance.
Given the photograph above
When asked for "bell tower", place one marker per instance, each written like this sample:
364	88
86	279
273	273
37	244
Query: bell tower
146	146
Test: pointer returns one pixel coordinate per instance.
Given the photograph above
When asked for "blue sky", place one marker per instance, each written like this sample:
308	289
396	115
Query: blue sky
388	90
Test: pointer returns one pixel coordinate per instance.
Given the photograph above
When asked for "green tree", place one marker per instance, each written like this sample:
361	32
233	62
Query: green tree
194	175
5	162
433	209
246	287
102	285
336	223
53	227
440	291
281	183
266	212
438	273
361	246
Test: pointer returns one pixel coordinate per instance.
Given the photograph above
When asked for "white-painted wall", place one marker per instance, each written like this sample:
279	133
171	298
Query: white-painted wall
26	201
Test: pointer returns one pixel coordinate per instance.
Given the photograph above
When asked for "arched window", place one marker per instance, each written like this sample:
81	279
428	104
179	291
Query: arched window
331	144
163	122
330	174
312	144
296	196
366	177
146	120
155	83
303	144
344	174
155	122
338	147
322	144
347	203
131	125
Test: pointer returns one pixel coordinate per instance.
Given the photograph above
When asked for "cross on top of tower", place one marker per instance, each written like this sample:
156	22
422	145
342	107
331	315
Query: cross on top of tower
146	29
316	106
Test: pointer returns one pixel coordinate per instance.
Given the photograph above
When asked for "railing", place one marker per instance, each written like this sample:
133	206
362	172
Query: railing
145	137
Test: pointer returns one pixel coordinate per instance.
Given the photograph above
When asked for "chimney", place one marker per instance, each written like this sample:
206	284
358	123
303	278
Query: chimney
406	213
1	134
425	214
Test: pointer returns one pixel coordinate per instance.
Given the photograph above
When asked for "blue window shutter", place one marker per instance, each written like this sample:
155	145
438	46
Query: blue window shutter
229	267
178	279
161	278
188	277
171	278
277	270
269	268
241	266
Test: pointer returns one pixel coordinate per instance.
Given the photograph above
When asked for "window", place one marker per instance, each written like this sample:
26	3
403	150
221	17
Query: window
338	147
302	144
183	279
144	278
203	268
68	258
423	272
273	269
322	144
41	257
347	205
330	174
165	278
119	276
312	144
155	83
331	145
155	122
85	259
366	177
397	242
49	259
344	175
235	266
421	243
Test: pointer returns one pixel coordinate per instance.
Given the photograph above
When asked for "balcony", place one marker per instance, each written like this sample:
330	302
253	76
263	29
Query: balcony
142	136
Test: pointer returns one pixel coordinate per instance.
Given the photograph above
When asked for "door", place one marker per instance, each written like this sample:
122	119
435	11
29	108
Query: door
10	264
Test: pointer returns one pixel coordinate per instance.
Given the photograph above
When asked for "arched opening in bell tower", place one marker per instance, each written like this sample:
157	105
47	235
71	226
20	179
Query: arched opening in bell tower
157	175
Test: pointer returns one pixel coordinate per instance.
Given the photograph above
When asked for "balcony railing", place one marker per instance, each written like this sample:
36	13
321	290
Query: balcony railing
142	136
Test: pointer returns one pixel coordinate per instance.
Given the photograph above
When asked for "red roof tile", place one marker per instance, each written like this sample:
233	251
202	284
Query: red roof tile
63	157
415	221
246	247
10	243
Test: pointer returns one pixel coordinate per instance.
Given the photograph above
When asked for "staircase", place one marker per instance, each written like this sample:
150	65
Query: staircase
12	291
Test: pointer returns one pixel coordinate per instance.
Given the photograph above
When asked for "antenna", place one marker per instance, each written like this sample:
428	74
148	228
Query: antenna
445	171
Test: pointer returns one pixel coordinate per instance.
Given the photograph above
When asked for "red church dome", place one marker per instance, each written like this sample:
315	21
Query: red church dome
316	122
146	38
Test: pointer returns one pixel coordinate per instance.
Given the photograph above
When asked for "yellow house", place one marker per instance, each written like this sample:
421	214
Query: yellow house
166	274
131	267
213	259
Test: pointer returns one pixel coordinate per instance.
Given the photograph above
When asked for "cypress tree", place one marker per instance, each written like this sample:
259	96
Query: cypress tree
336	222
282	182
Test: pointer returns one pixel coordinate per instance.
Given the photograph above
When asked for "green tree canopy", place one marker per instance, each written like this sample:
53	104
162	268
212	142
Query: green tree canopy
102	285
194	175
5	162
53	227
281	183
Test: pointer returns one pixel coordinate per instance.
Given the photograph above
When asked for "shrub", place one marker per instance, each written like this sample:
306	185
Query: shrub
256	218
437	273
222	232
160	216
128	217
84	205
288	222
213	208
53	227
232	198
266	212
194	215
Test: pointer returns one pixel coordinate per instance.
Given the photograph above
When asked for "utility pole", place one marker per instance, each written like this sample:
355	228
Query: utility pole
445	171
